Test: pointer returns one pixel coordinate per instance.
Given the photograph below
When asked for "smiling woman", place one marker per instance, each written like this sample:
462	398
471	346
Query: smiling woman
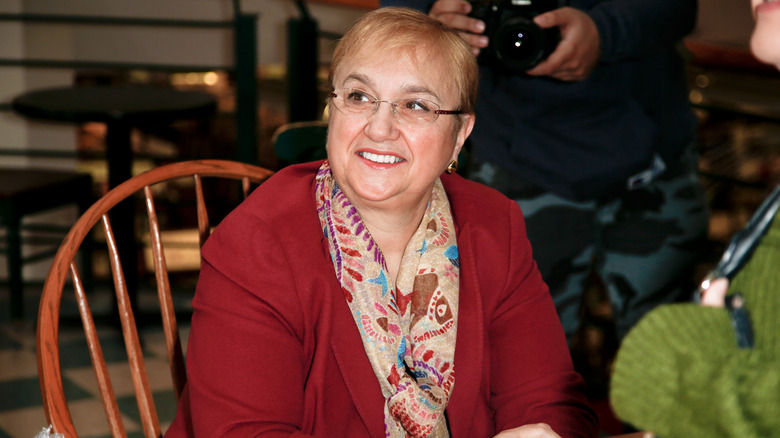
341	297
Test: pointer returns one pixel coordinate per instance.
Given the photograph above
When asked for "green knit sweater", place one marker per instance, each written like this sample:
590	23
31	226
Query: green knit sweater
679	372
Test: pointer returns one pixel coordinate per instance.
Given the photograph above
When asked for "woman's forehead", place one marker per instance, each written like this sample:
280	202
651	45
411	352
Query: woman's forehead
430	66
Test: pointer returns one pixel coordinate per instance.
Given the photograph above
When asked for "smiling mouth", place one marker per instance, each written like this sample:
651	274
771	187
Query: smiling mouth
383	159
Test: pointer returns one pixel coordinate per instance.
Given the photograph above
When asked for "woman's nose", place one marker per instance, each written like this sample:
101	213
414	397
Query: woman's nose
391	106
382	122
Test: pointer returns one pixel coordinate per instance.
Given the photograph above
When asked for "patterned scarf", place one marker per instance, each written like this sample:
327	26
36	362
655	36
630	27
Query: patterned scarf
408	331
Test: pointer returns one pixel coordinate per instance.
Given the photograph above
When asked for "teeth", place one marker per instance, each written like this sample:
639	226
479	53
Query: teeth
385	159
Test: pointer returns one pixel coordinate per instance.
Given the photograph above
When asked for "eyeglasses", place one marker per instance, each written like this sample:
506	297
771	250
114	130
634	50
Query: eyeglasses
412	111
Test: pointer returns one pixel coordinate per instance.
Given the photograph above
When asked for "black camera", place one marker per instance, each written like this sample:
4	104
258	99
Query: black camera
516	44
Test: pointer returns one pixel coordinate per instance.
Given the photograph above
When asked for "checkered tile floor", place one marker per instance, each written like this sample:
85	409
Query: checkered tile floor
21	411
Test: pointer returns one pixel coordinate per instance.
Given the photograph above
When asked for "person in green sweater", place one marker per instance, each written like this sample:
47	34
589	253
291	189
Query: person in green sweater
712	368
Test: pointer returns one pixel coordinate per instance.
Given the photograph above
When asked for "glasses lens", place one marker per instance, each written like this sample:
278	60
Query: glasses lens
353	101
409	111
417	110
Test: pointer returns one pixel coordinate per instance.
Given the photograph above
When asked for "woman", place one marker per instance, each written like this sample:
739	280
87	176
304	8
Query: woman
429	279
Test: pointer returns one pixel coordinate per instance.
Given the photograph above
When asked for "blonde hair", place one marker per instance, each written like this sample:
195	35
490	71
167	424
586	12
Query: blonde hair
391	28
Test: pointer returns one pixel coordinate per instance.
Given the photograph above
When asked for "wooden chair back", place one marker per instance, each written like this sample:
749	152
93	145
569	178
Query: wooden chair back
63	266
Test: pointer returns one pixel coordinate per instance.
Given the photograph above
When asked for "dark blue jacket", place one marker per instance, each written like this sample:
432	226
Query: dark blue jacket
583	140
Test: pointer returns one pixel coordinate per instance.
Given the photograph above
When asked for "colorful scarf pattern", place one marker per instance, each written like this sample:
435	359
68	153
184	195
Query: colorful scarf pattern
409	330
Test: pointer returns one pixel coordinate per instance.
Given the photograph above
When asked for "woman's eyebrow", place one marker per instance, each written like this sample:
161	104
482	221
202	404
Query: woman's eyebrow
420	89
408	89
358	77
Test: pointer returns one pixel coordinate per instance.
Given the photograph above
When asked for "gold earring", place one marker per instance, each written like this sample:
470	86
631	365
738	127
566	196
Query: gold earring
452	167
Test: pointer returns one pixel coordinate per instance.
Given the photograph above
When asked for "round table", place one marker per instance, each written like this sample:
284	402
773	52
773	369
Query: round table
120	108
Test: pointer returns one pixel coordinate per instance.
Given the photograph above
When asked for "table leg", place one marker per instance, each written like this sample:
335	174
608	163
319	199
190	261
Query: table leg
119	155
14	254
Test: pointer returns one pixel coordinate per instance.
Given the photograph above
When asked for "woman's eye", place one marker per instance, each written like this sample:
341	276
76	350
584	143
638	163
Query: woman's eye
417	105
357	96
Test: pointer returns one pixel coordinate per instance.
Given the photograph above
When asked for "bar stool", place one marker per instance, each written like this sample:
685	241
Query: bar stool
27	191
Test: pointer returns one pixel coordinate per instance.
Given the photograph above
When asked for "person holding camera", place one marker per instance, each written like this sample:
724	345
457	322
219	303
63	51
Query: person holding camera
593	137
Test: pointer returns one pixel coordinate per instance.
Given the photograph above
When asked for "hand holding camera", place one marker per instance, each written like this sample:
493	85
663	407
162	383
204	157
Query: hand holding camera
517	43
572	59
454	13
578	52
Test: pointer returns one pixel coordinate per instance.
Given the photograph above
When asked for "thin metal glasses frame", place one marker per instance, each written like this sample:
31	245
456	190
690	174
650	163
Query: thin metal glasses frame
394	105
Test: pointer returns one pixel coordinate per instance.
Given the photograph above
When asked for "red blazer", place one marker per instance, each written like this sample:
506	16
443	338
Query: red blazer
274	350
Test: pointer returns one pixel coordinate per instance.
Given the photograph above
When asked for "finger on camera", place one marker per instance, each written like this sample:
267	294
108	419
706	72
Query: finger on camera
544	68
476	41
548	19
549	66
468	24
557	72
463	22
457	19
441	7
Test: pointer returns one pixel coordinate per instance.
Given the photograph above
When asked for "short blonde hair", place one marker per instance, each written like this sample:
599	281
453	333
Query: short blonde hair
392	28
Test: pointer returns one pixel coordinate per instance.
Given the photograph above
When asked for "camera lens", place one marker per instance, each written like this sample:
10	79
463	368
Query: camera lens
518	45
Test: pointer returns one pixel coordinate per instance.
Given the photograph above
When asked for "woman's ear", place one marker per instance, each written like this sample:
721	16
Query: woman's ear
466	125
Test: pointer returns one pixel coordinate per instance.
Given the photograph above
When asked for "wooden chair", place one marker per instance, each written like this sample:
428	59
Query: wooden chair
54	401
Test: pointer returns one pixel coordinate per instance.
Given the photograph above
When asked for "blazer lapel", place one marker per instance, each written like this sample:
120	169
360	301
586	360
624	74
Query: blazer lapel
354	365
469	346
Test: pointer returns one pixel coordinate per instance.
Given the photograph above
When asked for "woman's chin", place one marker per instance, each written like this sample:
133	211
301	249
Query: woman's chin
369	192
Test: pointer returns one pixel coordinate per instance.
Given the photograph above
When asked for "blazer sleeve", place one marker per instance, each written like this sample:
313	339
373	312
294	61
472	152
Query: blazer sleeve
532	375
246	332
